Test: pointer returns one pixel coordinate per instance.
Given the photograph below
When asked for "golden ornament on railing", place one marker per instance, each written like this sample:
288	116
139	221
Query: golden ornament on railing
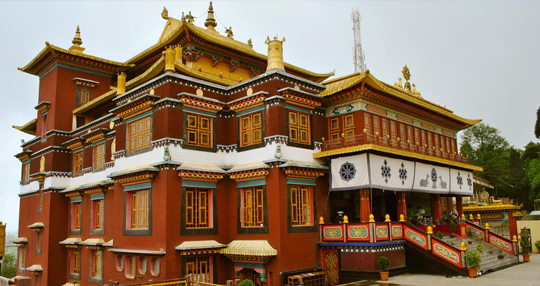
463	246
345	219
429	230
478	217
514	239
321	220
487	226
471	217
371	218
401	218
462	216
387	218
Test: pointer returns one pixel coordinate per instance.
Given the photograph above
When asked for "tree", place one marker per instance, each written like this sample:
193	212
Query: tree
537	125
488	149
9	266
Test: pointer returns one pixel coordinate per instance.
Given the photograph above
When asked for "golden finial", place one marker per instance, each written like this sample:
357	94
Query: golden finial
462	216
77	42
478	217
471	217
210	23
514	238
250	43
321	220
189	18
229	32
371	218
387	218
407	75
345	219
463	246
487	226
152	91
429	230
401	218
165	14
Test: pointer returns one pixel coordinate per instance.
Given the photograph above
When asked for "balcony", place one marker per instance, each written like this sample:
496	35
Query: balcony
373	141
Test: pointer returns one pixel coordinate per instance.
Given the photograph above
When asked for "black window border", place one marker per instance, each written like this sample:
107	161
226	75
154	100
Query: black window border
239	132
139	232
198	231
102	230
252	230
185	145
300	145
90	278
129	152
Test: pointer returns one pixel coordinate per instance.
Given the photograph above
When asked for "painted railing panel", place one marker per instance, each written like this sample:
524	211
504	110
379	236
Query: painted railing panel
358	232
415	236
397	231
492	238
333	232
447	253
477	231
381	232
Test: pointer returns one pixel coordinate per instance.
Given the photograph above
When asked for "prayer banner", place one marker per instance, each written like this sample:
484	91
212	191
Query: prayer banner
391	174
431	179
461	182
349	173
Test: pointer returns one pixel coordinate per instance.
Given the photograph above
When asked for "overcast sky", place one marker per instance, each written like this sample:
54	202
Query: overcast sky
480	59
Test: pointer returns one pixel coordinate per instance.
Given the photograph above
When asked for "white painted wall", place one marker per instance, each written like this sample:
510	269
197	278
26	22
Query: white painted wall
534	225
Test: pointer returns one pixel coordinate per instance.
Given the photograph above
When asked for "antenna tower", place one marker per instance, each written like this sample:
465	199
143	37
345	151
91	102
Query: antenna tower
358	54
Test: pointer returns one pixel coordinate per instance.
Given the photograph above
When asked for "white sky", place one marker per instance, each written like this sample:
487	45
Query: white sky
480	59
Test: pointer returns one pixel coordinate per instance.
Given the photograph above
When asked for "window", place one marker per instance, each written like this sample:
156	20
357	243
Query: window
97	214
423	138
197	208
299	127
198	269
384	127
376	127
393	130
38	280
410	134
402	134
39	237
155	266
77	162
99	156
334	128
75	263
348	126
429	140
139	209
96	264
40	198
416	136
139	133
252	209
26	173
250	129
199	130
130	267
447	144
142	265
453	146
119	262
436	141
76	215
22	259
44	127
84	95
301	206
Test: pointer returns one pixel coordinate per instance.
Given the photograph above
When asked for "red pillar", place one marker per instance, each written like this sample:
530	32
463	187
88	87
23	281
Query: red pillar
365	205
459	205
449	204
402	205
513	225
436	208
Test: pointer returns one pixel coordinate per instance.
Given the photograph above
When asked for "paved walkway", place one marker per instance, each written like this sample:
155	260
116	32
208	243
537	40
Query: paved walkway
523	274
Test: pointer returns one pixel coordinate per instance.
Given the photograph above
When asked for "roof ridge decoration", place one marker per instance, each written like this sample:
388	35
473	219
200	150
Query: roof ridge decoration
210	22
77	42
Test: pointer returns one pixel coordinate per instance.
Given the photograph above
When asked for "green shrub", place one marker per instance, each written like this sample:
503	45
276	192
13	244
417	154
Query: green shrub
383	263
473	259
524	243
246	282
439	235
537	244
453	227
469	234
480	248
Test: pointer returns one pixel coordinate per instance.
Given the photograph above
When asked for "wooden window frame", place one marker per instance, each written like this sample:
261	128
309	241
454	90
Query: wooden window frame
99	156
139	207
200	126
410	136
252	207
430	140
424	138
96	265
75	263
393	130
76	217
78	159
436	140
299	125
139	134
130	269
402	132
384	124
153	271
21	259
198	267
198	215
251	133
39	241
376	125
334	128
98	212
367	123
26	173
301	206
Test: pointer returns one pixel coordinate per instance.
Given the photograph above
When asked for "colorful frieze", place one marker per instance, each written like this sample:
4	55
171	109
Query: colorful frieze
397	231
447	254
477	233
506	246
357	232
416	237
381	232
333	232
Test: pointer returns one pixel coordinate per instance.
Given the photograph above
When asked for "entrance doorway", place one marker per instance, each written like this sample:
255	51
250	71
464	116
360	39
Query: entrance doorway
383	203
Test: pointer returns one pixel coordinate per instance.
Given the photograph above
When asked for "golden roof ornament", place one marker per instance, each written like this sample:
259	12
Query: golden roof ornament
229	32
210	22
275	54
77	42
189	18
250	43
407	75
165	14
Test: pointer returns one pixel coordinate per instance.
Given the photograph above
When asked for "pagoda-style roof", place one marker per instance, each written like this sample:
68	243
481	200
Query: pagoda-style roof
343	83
29	128
51	54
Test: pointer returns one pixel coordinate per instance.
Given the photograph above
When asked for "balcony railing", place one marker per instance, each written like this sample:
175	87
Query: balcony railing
366	138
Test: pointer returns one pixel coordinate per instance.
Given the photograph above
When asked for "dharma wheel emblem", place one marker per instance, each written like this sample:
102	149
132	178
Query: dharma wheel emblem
347	171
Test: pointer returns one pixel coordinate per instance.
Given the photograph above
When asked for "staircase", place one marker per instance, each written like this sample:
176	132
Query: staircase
489	261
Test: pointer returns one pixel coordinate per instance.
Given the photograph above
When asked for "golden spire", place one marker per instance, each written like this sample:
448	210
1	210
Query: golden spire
210	23
77	42
275	54
407	75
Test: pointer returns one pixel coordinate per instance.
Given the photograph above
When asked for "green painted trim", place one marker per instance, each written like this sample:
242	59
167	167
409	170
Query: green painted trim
97	197
298	108
139	116
74	68
78	150
199	184
297	181
138	187
252	183
99	142
250	265
200	112
251	110
76	200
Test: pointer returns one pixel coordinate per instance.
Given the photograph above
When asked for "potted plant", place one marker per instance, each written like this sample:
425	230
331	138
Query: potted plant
246	282
491	249
439	235
473	262
500	256
537	244
470	236
384	263
480	248
525	247
453	229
